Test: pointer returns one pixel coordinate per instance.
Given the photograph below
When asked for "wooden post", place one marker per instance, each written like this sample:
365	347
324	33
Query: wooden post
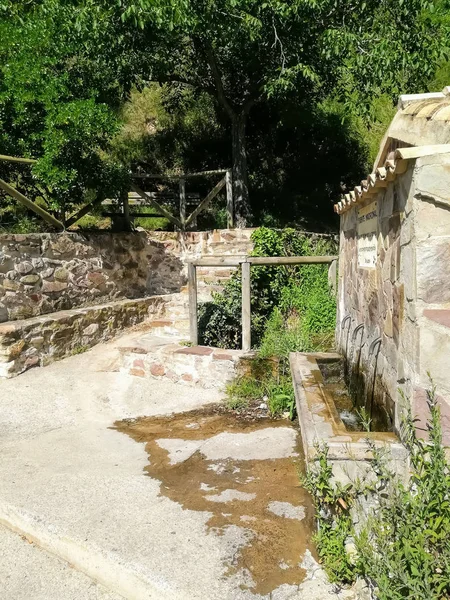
332	277
183	201
246	308
230	203
193	319
126	211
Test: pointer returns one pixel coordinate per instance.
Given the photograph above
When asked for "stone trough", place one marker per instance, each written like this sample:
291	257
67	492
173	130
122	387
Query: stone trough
321	423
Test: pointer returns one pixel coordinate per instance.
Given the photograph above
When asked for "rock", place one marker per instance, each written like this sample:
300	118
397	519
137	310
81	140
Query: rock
24	267
37	263
16	349
52	287
62	333
90	329
6	264
157	370
8	284
3	313
37	342
61	274
63	244
47	273
97	279
30	279
352	552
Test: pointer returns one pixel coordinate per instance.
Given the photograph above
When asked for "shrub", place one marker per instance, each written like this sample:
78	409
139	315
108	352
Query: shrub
298	292
403	548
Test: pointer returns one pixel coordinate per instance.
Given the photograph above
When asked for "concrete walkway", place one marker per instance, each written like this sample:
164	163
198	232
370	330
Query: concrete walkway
29	573
76	487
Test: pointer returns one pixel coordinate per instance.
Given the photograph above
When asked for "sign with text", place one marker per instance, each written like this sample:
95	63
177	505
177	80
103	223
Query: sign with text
367	236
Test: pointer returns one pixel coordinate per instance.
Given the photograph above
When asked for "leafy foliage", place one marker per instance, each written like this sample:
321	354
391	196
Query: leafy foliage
61	79
267	381
300	294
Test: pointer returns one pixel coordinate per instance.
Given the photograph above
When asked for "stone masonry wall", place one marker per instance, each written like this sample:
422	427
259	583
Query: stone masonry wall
41	340
371	304
45	273
394	320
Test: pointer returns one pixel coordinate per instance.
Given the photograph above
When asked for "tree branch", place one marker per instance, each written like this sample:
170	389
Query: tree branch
218	81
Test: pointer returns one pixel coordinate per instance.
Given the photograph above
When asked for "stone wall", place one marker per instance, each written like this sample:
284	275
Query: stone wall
41	340
394	316
45	273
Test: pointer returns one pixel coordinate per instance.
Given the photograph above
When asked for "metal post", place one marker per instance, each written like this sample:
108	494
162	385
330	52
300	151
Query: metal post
193	319
230	203
246	308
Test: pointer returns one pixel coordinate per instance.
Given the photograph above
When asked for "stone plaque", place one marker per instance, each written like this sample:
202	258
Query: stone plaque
367	235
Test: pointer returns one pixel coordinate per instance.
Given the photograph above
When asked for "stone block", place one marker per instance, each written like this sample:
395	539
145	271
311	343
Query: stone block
433	271
434	180
31	279
408	272
196	351
432	220
53	287
24	267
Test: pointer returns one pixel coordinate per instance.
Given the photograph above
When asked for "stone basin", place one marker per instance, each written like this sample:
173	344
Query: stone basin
320	422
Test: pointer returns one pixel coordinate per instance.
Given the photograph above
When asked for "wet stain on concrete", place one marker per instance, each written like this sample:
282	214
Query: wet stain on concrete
236	492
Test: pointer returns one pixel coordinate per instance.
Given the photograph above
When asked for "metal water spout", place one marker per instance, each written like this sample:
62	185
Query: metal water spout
373	345
354	364
357	329
344	321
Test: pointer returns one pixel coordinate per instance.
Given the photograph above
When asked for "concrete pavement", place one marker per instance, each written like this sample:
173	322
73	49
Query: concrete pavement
77	487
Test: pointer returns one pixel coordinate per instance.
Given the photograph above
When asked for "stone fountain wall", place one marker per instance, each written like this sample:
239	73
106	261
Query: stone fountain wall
394	291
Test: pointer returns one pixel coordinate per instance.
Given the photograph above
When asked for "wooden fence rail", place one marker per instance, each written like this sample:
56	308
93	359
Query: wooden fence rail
146	198
245	262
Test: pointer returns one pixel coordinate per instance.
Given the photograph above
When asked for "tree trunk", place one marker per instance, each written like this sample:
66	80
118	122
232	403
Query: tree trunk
240	174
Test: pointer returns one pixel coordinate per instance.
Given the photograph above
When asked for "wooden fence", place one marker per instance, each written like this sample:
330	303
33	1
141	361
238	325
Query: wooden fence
245	262
182	221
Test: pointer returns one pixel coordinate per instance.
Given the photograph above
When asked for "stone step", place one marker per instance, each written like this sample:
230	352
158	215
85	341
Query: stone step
169	326
158	357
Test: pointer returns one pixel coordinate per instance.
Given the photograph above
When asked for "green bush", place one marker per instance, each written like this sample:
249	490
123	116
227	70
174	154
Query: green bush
274	388
298	292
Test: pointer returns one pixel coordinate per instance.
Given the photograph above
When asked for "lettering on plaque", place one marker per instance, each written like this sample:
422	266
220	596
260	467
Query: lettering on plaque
367	235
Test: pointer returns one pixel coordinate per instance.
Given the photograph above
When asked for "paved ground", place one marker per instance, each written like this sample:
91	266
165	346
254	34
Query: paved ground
29	573
77	487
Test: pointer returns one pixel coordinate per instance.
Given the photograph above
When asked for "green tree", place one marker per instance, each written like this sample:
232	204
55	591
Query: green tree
244	51
61	82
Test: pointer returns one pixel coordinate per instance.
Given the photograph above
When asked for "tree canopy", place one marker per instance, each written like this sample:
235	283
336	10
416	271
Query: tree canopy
68	67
